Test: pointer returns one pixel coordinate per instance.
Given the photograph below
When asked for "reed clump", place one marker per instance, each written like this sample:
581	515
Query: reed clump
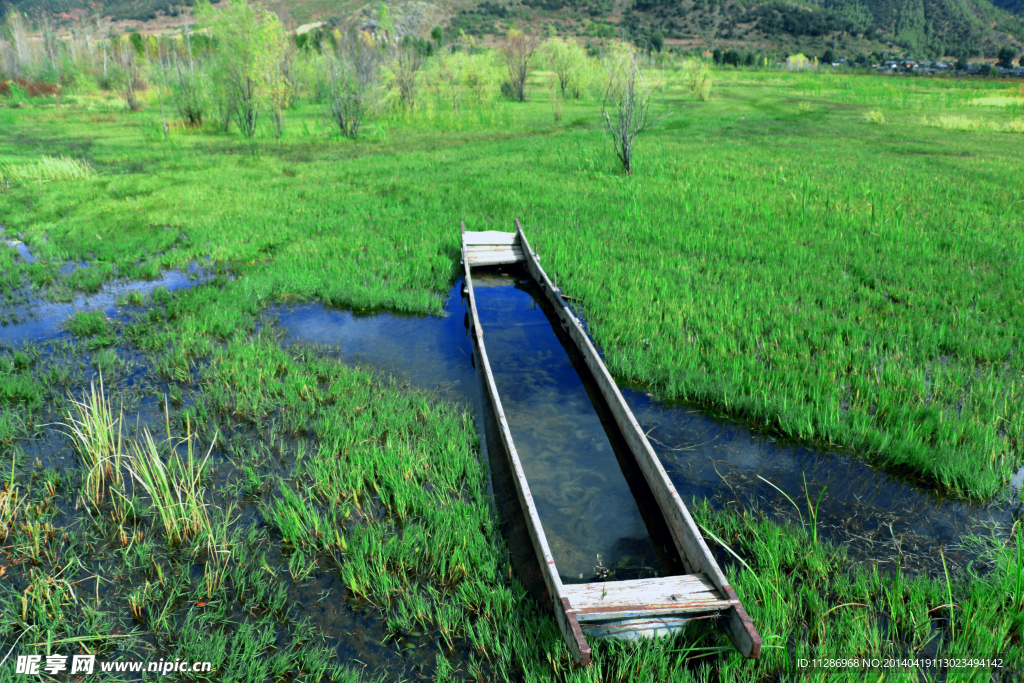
45	168
92	325
95	429
9	504
175	487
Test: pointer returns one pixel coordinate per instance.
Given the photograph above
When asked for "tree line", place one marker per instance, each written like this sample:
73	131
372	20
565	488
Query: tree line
237	69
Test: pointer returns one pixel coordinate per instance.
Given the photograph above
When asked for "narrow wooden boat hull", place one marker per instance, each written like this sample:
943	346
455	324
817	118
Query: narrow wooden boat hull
616	609
634	628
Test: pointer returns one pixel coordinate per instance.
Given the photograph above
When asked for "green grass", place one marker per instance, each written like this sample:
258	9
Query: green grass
384	488
808	600
870	310
94	326
743	266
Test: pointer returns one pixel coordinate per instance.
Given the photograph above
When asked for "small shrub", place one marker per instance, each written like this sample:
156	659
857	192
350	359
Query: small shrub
874	116
697	77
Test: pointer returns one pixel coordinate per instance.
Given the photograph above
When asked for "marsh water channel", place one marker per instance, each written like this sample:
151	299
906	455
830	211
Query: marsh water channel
569	448
36	327
596	517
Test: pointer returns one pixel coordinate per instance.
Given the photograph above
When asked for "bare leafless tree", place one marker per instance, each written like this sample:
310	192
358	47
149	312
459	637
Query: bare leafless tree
104	44
14	45
189	86
404	65
516	52
130	73
51	45
354	71
625	103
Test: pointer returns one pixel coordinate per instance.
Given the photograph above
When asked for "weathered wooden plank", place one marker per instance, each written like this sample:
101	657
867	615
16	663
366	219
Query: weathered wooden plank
685	593
481	249
566	621
488	237
492	255
571	632
494	260
713	608
687	538
740	628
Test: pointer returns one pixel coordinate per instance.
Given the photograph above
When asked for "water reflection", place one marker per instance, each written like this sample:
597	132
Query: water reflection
38	320
590	517
880	517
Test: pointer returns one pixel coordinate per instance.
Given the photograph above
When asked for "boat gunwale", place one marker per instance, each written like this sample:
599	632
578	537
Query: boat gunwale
688	539
567	622
686	536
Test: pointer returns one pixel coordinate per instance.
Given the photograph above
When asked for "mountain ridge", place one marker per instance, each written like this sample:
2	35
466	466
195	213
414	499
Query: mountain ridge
924	28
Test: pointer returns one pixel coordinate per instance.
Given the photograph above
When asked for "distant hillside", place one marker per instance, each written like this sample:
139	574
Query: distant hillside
292	12
920	27
139	10
1014	6
923	27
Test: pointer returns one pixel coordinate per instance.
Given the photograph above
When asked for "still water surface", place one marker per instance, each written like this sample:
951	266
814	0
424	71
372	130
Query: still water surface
583	500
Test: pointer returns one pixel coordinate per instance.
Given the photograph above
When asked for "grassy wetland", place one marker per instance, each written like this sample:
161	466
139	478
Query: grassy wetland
834	258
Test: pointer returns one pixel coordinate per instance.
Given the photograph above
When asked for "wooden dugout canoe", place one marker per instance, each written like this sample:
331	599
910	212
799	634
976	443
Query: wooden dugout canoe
618	609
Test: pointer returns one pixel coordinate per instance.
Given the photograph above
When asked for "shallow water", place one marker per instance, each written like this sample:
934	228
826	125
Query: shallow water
590	516
43	320
428	352
22	250
357	632
877	515
573	472
39	320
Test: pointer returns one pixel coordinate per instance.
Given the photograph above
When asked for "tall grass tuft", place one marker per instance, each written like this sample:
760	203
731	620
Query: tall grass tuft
949	593
44	169
812	510
964	123
557	104
95	430
174	488
219	542
9	504
1018	571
